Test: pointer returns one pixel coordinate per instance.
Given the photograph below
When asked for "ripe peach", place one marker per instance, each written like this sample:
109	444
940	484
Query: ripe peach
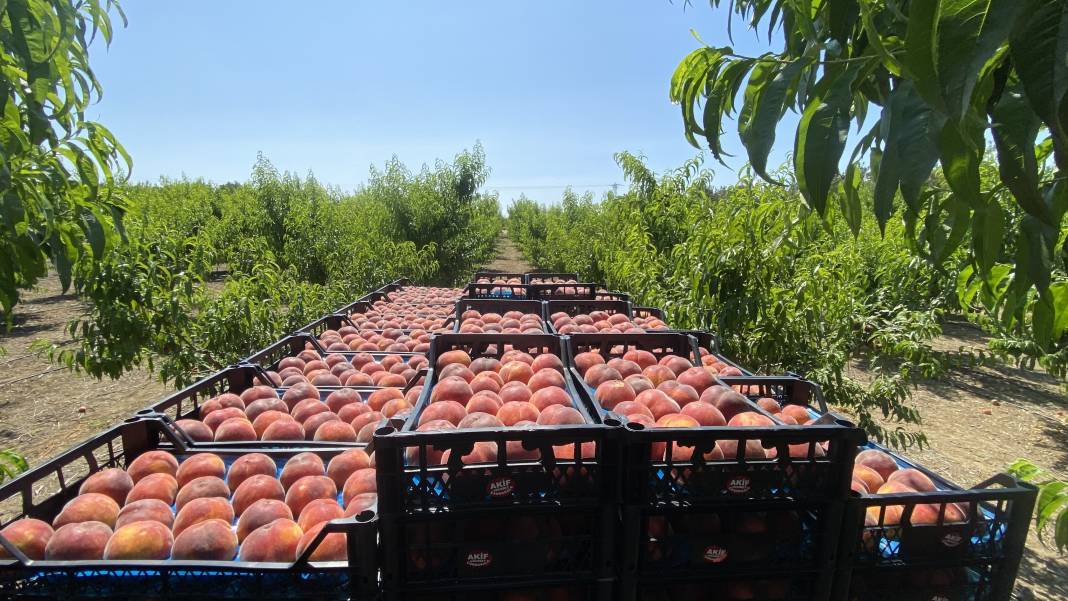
365	419
750	419
340	398
729	449
479	420
113	482
307	489
299	392
712	394
659	403
598	374
29	535
254	488
84	541
613	392
550	396
658	374
359	482
360	503
90	507
797	412
350	411
275	542
642	358
152	462
857	485
379	398
455	356
335	431
209	540
448	410
313	423
247	466
145	509
675	363
333	547
258	408
517	355
514	392
358	379
395	406
680	393
204	508
485	402
261	513
205	486
490	381
731	403
258	392
584	361
457	369
451	389
394	380
235	429
367	432
871	478
770	405
697	377
545	378
631	408
639	383
140	540
319	511
300	465
481	452
285	428
877	460
160	486
200	464
677	420
344	464
306	408
484	364
547	361
513	412
216	418
704	413
516	371
893	513
928	513
555	415
913	478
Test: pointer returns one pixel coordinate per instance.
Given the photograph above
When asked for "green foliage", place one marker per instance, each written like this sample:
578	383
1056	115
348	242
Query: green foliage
57	169
936	76
11	464
292	250
1051	507
784	289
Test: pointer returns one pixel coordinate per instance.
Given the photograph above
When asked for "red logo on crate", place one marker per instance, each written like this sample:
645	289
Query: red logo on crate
479	559
739	484
952	539
715	554
939	598
501	486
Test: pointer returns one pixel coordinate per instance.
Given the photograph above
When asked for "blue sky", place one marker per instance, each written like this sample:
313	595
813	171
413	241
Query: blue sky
551	88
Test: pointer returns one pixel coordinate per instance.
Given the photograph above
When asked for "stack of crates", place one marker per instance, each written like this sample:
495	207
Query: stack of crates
602	507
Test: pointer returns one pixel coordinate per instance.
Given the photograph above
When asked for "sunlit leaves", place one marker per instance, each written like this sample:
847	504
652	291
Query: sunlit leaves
1051	506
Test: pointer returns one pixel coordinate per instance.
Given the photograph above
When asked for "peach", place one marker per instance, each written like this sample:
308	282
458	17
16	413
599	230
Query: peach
697	377
545	378
267	418
555	415
140	540
631	408
254	488
258	392
360	503
300	465
319	511
340	398
260	514
550	396
877	460
797	412
211	540
314	366
639	383
485	364
513	412
145	509
333	547
516	371
258	408
344	464
335	431
481	452
367	432
712	394
547	361
299	392
677	420
893	513
658	374
584	361
730	449
514	392
769	404
642	358
160	486
204	508
485	402
871	478
359	482
489	382
90	507
201	464
393	380
285	428
275	542
457	369
600	373
205	486
358	379
731	403
196	431
235	429
659	403
517	355
152	462
306	408
928	513
857	485
379	398
913	478
625	367
681	393
613	392
395	406
704	413
452	388
307	489
448	410
350	411
412	396
750	419
291	362
675	363
363	420
479	420
455	356
325	379
84	541
29	535
316	421
246	466
113	482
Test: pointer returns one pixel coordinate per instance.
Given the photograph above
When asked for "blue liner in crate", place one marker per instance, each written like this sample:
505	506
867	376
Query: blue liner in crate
303	578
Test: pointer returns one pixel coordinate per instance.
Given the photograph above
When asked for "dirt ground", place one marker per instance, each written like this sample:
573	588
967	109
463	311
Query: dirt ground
978	420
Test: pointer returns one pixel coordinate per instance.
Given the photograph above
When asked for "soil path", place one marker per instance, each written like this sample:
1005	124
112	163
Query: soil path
508	256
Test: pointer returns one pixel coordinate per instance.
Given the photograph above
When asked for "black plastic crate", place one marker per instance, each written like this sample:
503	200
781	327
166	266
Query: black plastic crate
567	589
495	290
584	307
547	277
708	344
611	295
42	491
586	290
499	306
766	584
979	582
491	276
656	312
972	558
268	358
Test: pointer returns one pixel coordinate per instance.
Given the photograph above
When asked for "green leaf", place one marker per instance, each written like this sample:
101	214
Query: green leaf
961	154
988	234
1015	129
1060	532
1059	296
821	137
765	96
909	129
969	34
921	50
1039	48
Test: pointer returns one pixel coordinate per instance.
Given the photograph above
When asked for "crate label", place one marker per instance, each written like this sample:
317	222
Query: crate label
715	554
939	598
479	559
739	484
501	486
952	539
